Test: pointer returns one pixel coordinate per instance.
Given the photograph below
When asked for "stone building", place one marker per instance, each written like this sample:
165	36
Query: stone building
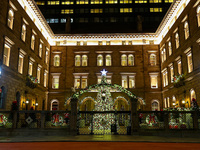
143	63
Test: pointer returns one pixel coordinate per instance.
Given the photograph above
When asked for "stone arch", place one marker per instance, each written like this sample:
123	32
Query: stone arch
84	106
124	102
54	104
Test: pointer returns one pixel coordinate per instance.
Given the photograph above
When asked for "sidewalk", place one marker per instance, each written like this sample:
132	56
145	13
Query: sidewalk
99	138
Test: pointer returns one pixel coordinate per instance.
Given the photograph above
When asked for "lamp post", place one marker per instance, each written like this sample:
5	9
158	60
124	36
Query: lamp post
27	102
36	105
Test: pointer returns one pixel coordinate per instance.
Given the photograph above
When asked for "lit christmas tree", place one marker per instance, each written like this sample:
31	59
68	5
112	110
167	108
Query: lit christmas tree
102	122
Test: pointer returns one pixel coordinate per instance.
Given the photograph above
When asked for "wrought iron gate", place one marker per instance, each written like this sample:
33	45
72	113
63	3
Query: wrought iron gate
105	122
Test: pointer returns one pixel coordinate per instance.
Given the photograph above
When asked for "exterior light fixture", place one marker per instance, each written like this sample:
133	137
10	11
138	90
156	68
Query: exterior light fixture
183	101
174	104
36	104
27	101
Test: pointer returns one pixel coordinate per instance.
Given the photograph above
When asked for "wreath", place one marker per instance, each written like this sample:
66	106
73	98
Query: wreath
3	120
152	120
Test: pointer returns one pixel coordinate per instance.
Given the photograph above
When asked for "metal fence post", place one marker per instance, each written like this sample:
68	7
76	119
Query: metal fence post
195	120
166	121
14	119
92	124
134	116
42	119
73	118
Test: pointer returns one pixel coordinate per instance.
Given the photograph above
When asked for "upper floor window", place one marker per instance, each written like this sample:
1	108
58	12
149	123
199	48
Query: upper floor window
152	60
198	15
33	42
6	55
140	1
84	60
96	2
154	80
170	48
21	61
164	54
128	81
130	60
10	18
77	60
38	73
108	60
40	50
56	60
124	60
111	2
30	68
186	30
165	78
80	81
47	56
192	94
55	82
189	61
172	73
23	34
99	60
108	78
177	40
45	78
179	66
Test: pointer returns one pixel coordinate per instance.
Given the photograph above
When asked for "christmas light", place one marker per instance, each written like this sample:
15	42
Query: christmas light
104	72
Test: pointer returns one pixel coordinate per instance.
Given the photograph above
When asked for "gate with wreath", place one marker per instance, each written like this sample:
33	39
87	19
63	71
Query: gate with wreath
104	122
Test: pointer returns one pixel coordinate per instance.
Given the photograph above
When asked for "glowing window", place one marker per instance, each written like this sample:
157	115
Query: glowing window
198	15
38	74
54	105
124	60
20	63
96	2
6	55
152	58
56	60
189	62
177	40
23	33
96	10
81	1
10	18
155	9
67	2
172	73
84	60
140	1
131	81
40	3
155	1
30	68
192	94
53	2
67	11
126	10
55	82
155	105
179	67
170	48
99	60
169	1
108	60
130	60
33	42
125	1
40	50
124	82
111	1
77	60
186	30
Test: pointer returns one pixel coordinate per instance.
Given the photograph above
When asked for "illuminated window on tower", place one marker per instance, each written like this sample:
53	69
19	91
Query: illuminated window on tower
125	1
82	2
140	1
155	1
53	2
96	10
67	11
111	2
155	9
126	10
67	2
96	2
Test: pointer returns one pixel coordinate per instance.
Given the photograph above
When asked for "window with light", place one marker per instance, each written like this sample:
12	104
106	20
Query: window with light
108	60
99	60
56	60
124	60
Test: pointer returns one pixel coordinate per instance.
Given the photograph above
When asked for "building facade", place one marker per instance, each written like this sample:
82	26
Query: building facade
41	69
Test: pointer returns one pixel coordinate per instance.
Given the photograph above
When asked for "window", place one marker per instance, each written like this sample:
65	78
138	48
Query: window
55	82
33	42
80	81
128	80
198	15
126	10
165	78
53	2
20	63
155	1
111	1
124	60
38	74
172	73
189	62
164	54
81	1
77	60
124	82
40	50
10	18
30	68
155	105
56	60
67	11
192	94
177	40
173	100
179	67
2	97
170	48
54	105
99	60
140	1
152	58
45	78
40	3
130	60
47	56
169	1
155	9
96	10
96	2
6	55
154	80
186	30
67	2
168	102
125	1
108	60
84	60
23	34
165	102
108	78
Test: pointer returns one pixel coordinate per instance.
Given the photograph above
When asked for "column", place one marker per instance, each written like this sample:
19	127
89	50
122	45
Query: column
134	116
73	116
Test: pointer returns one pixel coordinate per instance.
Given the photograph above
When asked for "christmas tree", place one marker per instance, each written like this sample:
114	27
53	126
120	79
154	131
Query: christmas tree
102	121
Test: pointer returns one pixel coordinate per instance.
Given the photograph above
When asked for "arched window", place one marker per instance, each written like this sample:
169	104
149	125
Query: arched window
56	60
10	18
130	60
77	60
164	54
170	48
198	15
152	59
23	34
2	97
99	60
177	40
186	30
40	50
33	42
55	104
192	94
108	60
124	60
155	105
84	60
